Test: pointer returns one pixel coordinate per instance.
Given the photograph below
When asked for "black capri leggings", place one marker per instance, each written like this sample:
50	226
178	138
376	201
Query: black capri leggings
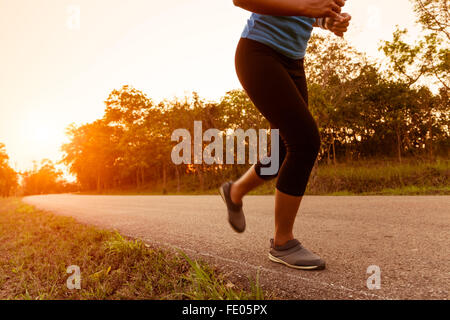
276	84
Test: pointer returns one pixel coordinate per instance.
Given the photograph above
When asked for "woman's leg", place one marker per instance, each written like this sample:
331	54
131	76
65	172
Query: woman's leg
271	81
286	208
253	178
246	183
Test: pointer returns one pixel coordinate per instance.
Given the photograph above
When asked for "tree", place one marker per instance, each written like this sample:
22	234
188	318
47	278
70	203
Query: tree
428	56
332	67
8	177
134	114
92	153
44	179
434	15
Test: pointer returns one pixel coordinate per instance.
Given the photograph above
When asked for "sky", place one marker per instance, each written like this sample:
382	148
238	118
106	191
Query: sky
60	59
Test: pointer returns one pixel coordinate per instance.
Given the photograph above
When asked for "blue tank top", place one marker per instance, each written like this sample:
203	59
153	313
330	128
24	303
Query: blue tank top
288	35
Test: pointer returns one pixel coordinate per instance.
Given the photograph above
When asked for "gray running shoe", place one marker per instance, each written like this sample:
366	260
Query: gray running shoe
294	255
236	216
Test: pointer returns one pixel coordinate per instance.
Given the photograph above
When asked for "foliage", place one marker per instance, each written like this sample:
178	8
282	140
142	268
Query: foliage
45	179
429	55
8	177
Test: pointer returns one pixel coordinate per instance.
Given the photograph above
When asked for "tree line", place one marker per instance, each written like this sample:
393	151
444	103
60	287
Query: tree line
362	112
44	178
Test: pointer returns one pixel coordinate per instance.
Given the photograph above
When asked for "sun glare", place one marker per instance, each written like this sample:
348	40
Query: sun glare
40	129
41	134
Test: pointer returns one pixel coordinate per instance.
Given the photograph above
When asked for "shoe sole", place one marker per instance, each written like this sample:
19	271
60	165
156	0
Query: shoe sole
275	259
223	198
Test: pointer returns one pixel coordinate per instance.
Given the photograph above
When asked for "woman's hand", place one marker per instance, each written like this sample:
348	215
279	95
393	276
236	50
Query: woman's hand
338	26
307	8
322	8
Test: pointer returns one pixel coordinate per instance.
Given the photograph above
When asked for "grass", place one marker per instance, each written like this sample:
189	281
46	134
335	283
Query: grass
382	178
370	177
36	248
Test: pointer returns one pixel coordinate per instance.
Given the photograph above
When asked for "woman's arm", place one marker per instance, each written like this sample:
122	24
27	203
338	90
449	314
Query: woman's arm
338	27
306	8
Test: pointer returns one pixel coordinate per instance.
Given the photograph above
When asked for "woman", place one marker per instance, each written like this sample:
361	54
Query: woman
269	65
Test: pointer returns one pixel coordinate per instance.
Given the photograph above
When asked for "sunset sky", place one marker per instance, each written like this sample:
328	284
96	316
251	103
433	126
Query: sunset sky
53	73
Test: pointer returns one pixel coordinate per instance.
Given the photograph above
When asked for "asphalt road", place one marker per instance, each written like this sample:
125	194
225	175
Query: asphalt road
408	238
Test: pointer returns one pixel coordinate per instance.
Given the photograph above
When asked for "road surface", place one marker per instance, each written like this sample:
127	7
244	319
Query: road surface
406	237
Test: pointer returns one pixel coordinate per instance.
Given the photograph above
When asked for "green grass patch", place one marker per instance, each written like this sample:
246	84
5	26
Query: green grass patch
370	177
381	178
37	247
412	191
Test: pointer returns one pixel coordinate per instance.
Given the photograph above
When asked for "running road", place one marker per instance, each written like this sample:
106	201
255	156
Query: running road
406	237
